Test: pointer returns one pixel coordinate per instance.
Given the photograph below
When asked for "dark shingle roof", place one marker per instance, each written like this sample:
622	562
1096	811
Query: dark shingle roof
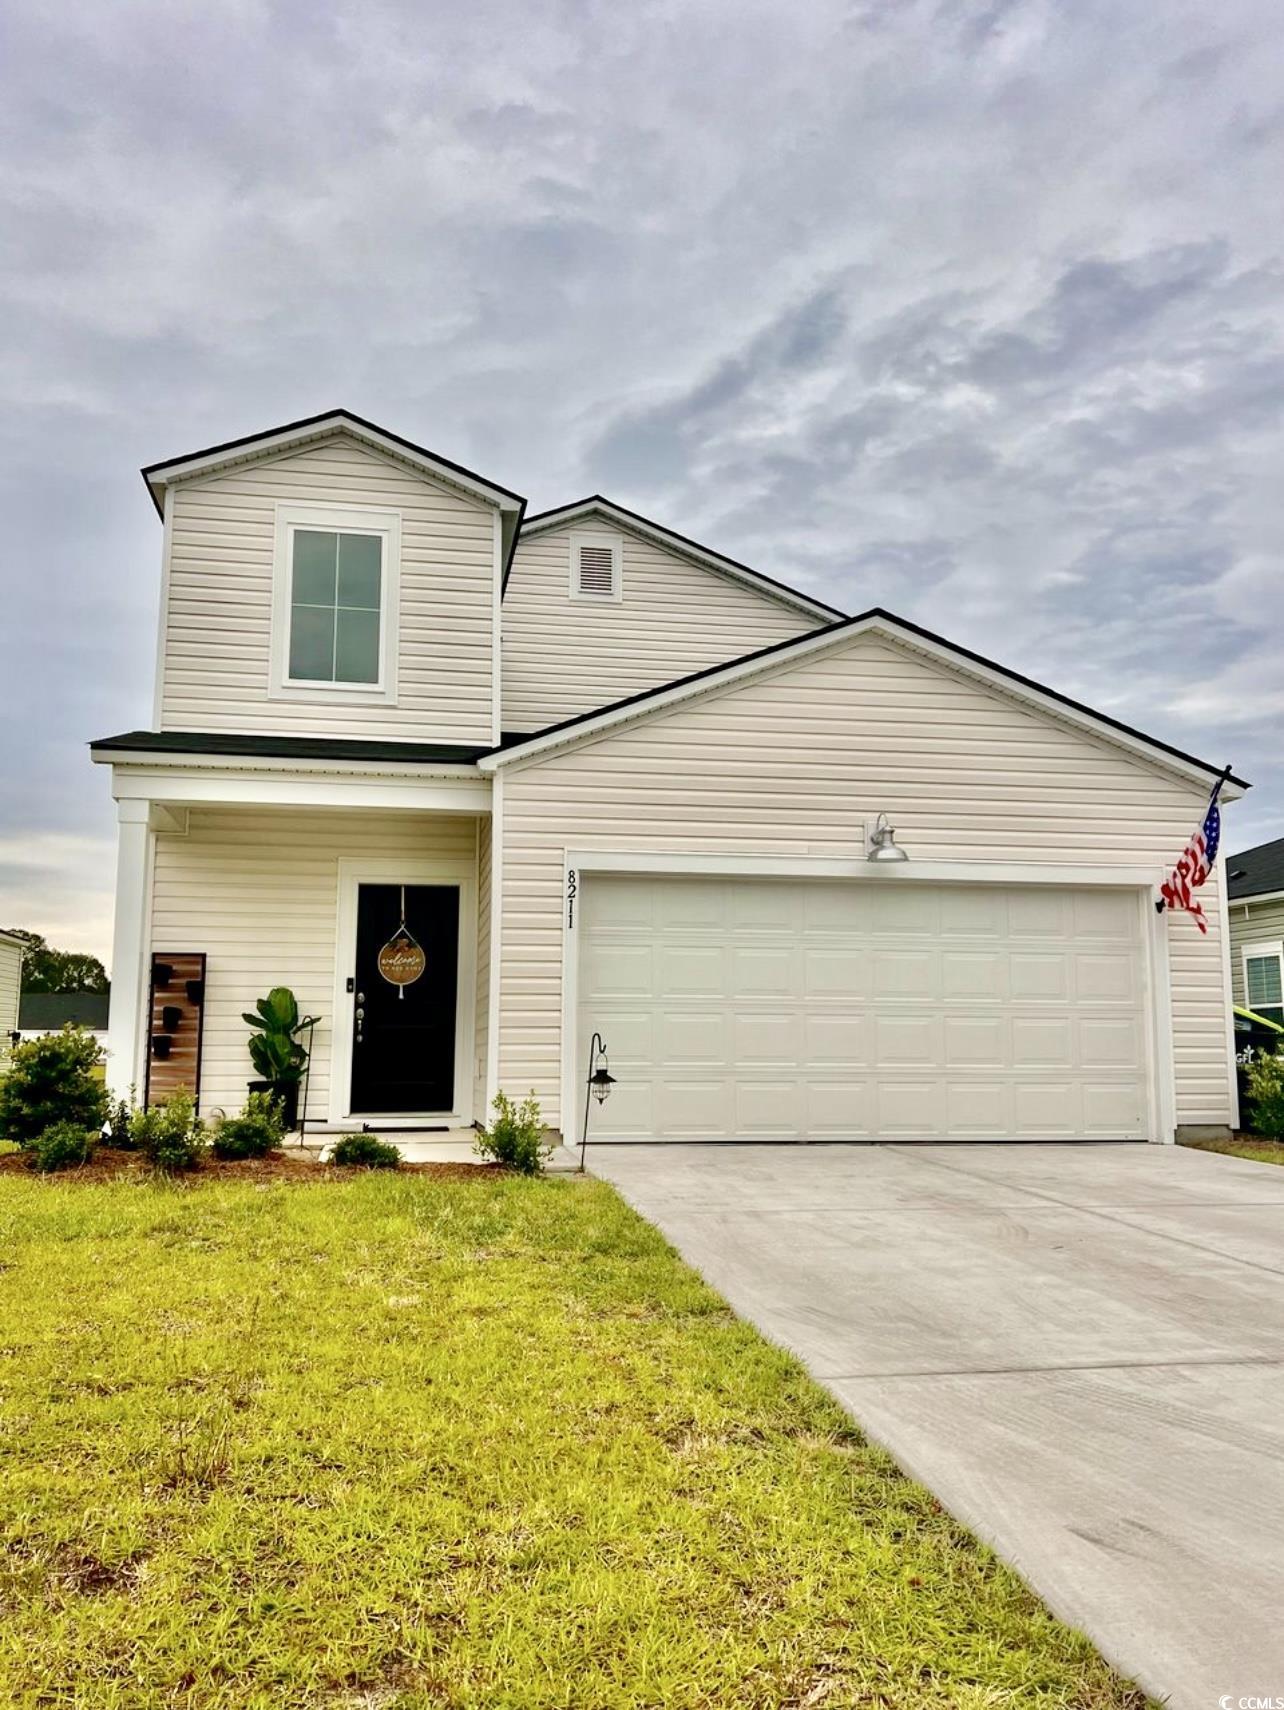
46	1012
1256	871
286	747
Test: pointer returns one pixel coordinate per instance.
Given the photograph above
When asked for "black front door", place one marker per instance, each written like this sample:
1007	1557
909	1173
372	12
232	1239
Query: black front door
406	977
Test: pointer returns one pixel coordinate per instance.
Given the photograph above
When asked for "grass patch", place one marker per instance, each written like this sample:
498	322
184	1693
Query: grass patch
405	1442
1257	1150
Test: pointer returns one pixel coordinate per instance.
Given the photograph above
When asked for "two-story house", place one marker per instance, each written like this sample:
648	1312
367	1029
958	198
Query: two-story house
478	785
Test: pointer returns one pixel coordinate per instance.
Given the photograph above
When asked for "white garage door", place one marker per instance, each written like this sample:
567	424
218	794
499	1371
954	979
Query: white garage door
774	1009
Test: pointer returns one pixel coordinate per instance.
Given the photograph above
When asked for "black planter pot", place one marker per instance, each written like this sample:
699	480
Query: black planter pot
288	1094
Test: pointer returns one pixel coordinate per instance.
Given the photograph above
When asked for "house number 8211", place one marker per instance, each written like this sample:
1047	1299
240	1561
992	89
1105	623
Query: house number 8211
571	892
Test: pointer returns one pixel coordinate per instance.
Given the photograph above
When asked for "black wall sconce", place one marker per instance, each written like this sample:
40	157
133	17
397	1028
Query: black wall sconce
597	1087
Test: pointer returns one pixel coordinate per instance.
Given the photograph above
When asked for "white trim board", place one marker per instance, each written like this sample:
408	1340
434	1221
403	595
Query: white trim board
1161	1068
356	871
788	654
464	794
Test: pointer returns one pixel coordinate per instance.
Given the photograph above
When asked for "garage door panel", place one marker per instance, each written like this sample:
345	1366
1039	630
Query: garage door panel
839	1109
766	970
693	1036
1105	977
777	1009
836	970
978	975
690	970
905	973
976	1041
769	1036
838	1037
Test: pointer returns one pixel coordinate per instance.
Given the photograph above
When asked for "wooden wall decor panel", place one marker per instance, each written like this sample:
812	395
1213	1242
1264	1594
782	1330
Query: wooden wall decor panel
176	1012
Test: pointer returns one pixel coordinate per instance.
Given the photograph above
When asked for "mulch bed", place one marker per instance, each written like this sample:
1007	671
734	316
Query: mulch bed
109	1163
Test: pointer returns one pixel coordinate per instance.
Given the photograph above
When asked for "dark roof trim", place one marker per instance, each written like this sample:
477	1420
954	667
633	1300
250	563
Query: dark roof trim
1255	872
285	747
874	614
543	518
305	422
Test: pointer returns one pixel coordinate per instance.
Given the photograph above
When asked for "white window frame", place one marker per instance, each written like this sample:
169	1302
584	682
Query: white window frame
595	537
1270	947
337	519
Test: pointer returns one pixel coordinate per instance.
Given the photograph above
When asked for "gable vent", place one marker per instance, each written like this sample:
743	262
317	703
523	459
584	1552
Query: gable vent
596	571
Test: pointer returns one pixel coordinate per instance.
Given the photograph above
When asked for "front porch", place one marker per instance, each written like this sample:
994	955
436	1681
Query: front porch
301	878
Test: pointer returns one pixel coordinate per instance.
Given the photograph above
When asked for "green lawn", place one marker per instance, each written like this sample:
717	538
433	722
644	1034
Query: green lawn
400	1442
1261	1151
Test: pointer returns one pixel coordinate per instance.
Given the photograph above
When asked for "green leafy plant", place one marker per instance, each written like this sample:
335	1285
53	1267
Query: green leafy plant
171	1135
364	1151
256	1131
516	1137
65	1146
1265	1082
119	1116
277	1052
53	1079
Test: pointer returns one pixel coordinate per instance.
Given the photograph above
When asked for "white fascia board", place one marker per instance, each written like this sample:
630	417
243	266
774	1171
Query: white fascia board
428	792
1256	897
680	548
159	763
784	658
274	444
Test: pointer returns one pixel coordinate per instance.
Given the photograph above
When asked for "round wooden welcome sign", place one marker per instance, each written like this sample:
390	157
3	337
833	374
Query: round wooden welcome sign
402	960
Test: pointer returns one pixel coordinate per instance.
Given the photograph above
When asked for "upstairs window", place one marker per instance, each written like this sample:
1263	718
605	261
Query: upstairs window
1264	980
336	606
335	603
596	567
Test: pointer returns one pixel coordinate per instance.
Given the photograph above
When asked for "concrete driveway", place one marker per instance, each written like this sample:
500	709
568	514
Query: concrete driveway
1078	1348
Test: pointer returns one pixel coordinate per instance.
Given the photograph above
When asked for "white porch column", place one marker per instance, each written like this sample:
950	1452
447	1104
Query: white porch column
129	949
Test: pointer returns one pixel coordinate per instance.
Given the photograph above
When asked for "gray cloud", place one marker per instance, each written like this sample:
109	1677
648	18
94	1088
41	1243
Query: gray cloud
967	307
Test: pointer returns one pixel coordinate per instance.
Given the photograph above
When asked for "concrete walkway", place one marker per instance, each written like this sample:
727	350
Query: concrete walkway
1080	1349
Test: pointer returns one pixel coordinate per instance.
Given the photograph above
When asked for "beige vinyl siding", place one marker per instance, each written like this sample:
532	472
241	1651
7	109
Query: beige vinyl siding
793	763
218	621
563	656
1252	923
258	891
10	993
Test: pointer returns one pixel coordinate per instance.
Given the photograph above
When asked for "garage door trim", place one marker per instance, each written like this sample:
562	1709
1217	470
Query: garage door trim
581	864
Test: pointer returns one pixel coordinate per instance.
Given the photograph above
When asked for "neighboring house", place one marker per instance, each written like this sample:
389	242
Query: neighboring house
48	1012
11	951
477	786
1255	887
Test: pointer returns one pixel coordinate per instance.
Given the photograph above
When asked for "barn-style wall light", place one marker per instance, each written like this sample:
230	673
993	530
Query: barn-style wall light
883	845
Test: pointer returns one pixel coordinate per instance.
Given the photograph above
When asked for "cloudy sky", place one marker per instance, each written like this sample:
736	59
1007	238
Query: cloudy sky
970	308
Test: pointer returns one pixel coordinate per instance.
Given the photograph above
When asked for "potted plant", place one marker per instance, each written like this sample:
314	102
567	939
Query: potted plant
277	1051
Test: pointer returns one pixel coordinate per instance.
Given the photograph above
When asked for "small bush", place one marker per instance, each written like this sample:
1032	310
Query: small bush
1265	1080
364	1151
516	1137
171	1135
256	1131
65	1146
52	1080
119	1116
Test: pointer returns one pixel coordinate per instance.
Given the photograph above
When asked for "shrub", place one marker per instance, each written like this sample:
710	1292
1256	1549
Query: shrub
65	1146
52	1080
1265	1080
171	1134
119	1116
364	1151
516	1137
253	1133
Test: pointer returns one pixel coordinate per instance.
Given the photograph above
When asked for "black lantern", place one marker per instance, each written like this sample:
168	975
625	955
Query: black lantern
599	1084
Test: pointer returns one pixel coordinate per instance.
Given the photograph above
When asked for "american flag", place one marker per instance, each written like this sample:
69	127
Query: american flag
1196	862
